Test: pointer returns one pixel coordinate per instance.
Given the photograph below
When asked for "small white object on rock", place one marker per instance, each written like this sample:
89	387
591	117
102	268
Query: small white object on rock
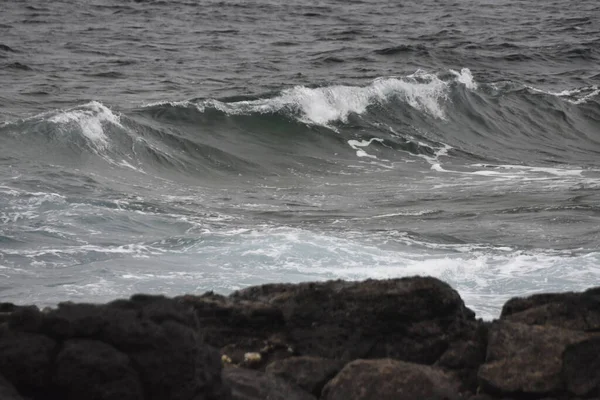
225	359
252	358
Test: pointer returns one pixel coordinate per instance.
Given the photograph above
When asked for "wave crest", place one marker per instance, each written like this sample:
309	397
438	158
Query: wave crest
323	106
89	118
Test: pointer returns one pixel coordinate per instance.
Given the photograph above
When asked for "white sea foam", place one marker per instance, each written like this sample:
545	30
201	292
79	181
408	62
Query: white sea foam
485	276
284	253
465	77
525	168
434	160
409	213
134	249
128	165
26	205
324	105
572	95
174	103
355	144
500	171
90	118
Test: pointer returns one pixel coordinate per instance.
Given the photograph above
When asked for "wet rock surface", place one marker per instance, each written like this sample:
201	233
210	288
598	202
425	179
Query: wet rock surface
391	339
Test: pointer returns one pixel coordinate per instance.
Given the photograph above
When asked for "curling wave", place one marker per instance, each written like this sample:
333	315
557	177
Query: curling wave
422	115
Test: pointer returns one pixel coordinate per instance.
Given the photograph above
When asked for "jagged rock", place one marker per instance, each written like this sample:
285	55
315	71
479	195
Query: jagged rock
226	322
525	358
581	367
249	384
412	319
262	352
148	338
388	379
90	369
8	391
309	373
415	335
241	327
577	311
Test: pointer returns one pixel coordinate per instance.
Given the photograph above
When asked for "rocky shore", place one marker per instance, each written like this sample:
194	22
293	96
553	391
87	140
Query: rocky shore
409	338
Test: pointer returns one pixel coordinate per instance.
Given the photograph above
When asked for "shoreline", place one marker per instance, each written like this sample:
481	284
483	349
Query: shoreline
404	338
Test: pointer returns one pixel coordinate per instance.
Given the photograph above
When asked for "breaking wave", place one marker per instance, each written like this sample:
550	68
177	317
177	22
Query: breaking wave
424	115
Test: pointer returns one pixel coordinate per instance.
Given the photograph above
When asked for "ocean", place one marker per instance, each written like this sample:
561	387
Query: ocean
183	146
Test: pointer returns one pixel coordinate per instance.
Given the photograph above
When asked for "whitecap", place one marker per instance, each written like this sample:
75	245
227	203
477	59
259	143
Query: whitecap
465	77
90	118
572	95
421	90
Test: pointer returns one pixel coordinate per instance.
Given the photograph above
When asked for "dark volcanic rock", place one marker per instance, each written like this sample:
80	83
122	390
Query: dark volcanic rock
581	367
25	318
247	384
409	338
577	311
465	357
148	347
483	396
89	369
526	359
8	391
309	373
225	321
26	360
412	319
240	327
390	380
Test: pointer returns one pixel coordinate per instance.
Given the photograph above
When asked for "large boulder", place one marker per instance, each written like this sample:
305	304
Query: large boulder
577	311
526	359
247	384
412	319
309	373
388	379
148	345
416	319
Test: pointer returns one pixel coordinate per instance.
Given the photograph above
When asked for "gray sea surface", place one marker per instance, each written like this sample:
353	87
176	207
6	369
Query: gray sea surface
184	146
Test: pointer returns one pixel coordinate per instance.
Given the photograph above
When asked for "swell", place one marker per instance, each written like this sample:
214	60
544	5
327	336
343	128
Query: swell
315	129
